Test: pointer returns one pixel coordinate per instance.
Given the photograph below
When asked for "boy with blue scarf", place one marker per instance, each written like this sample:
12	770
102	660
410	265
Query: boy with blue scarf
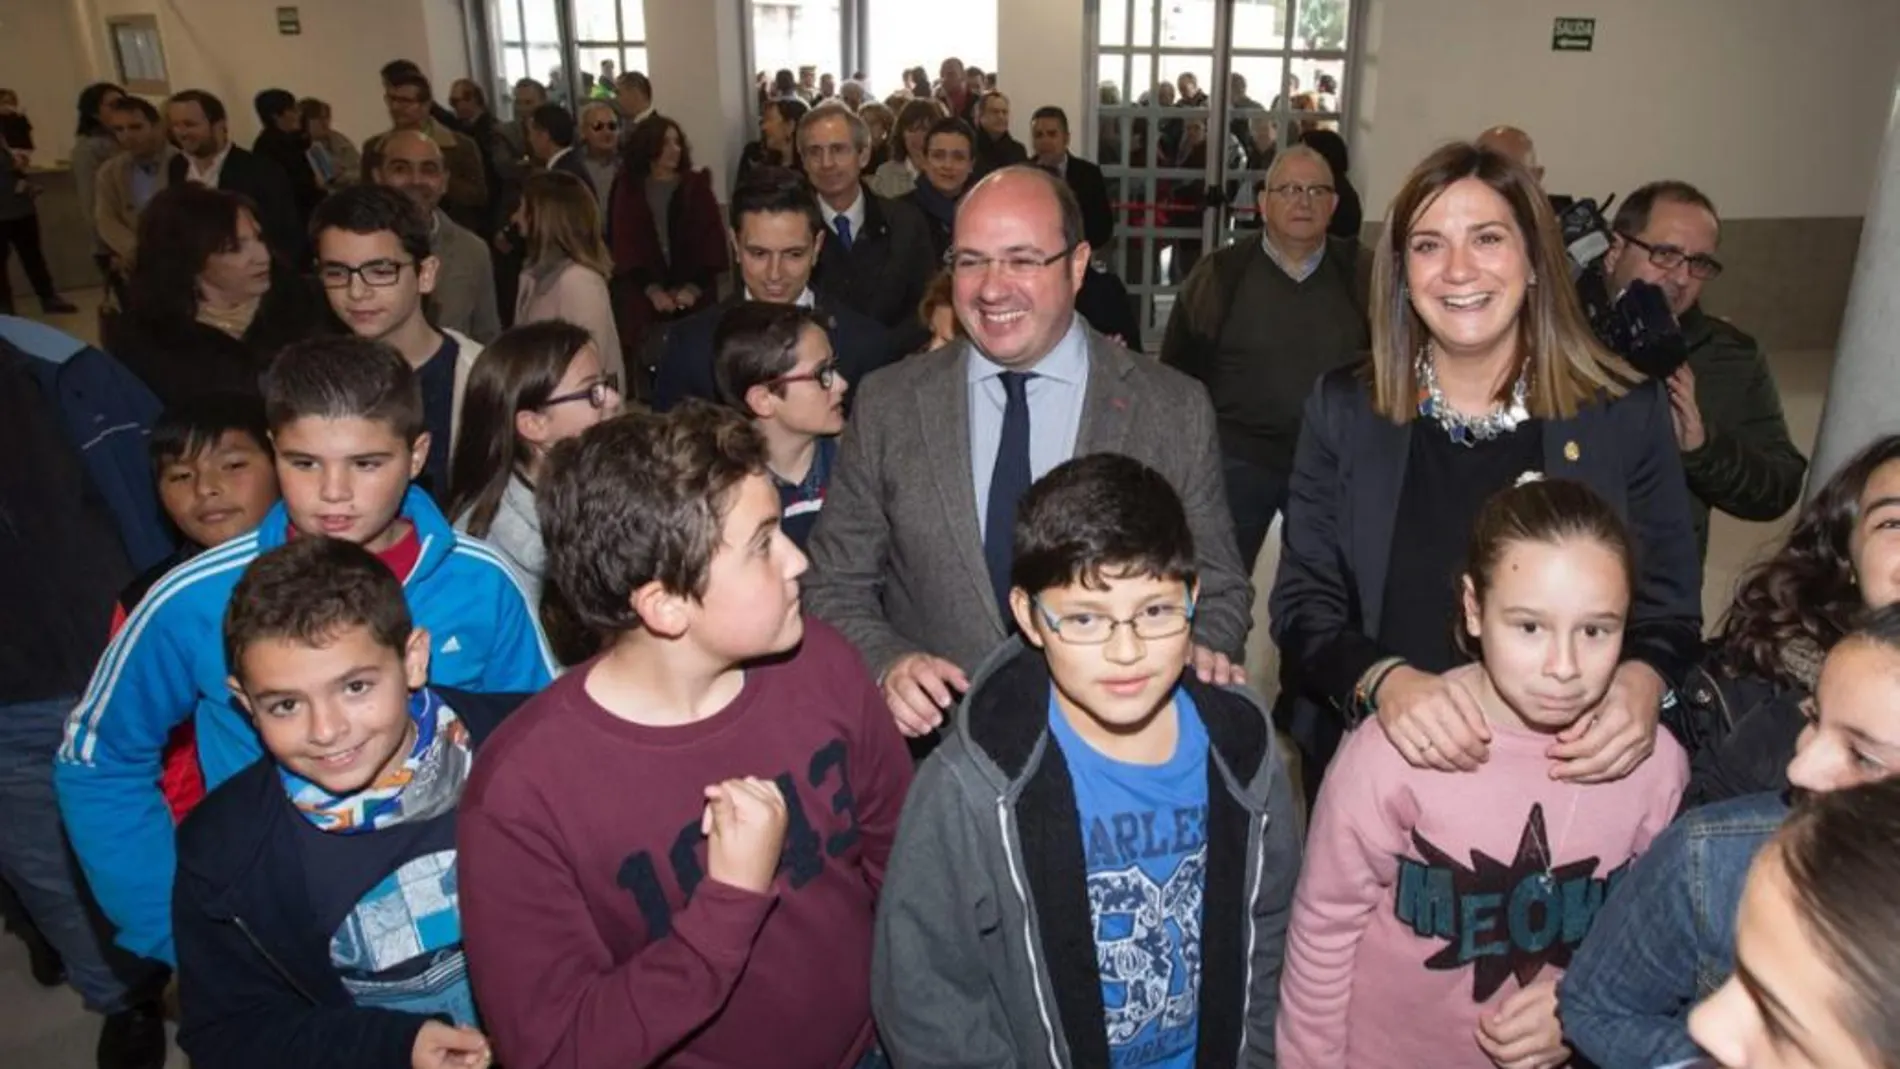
316	910
347	426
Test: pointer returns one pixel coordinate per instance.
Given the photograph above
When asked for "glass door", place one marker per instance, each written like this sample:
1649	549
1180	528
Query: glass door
1195	96
574	47
1155	61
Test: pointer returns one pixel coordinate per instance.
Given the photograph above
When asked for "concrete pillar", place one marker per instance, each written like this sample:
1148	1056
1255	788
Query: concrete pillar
1863	397
696	61
1041	49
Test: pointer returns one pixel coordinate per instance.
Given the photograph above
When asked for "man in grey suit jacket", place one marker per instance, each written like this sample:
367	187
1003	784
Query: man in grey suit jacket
898	557
465	280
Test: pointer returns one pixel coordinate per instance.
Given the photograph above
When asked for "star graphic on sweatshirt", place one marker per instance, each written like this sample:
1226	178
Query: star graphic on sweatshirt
1501	956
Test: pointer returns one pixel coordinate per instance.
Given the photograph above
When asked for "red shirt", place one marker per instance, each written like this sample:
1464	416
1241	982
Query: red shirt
403	556
594	938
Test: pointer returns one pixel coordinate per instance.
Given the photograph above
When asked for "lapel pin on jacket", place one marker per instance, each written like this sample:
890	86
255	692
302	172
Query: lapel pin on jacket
1572	452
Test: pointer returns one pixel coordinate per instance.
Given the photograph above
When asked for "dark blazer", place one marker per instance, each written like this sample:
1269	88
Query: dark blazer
256	984
178	360
996	153
885	272
1103	300
269	187
697	236
1348	471
897	558
287	150
860	344
571	163
1091	192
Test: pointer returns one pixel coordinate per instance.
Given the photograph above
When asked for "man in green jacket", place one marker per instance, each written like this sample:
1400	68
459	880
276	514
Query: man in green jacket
1727	412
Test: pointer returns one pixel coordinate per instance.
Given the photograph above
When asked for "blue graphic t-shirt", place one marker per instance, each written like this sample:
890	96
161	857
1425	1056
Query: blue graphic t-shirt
390	900
1144	838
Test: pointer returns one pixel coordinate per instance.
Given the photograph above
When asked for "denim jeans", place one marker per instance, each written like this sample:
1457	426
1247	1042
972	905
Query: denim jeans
34	857
1254	496
875	1058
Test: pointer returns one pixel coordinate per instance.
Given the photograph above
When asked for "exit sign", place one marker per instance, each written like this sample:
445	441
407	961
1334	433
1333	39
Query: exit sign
1573	35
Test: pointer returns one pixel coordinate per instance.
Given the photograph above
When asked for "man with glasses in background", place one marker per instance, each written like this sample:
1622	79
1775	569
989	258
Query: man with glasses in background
1259	322
411	101
375	264
911	555
1727	413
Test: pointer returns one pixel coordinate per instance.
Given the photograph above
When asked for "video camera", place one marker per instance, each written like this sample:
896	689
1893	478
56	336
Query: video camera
1635	324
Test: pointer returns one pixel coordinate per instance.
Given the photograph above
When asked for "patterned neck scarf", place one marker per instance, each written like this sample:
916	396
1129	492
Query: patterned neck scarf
428	784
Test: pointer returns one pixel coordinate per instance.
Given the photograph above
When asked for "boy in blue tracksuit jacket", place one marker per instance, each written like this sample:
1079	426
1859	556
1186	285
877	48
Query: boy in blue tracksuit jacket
346	418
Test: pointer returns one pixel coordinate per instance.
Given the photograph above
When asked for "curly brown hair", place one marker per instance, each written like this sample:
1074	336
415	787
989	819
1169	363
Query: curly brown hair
639	498
1806	592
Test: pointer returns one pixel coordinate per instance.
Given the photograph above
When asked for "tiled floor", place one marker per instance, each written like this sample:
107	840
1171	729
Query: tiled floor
42	1029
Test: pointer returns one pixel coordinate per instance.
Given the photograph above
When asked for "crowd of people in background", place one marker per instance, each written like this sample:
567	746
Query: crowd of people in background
540	602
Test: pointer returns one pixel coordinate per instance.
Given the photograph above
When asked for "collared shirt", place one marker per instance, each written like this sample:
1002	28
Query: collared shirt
1298	272
207	176
805	299
147	178
556	158
855	213
1060	168
1055	410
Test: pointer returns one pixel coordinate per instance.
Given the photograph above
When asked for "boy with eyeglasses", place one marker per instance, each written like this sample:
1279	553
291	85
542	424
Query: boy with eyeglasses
375	261
773	362
1097	866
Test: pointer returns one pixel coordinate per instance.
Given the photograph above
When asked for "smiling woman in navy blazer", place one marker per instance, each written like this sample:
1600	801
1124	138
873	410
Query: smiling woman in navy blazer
1483	369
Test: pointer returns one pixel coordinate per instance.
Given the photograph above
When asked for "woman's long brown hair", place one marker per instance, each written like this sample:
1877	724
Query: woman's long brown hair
1568	367
518	373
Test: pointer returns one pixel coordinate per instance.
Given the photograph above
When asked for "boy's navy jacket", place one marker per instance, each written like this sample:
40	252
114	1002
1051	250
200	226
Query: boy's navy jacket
986	951
167	664
257	985
107	414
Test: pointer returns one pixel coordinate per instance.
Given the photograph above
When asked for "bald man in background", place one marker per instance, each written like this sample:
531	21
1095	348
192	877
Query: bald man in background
464	294
1516	144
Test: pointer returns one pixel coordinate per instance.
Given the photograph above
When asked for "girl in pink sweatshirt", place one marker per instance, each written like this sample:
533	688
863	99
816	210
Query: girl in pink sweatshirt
1437	910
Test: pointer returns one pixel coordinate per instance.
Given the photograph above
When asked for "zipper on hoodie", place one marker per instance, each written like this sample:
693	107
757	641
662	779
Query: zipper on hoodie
1029	936
272	959
1253	935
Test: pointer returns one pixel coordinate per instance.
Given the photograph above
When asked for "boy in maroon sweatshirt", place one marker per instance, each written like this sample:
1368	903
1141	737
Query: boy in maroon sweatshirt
673	854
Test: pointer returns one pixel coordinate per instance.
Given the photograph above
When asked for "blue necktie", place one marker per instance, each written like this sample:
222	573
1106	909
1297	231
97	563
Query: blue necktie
844	232
1008	481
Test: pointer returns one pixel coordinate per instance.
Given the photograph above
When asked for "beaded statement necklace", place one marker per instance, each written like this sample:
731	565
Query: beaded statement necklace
1469	430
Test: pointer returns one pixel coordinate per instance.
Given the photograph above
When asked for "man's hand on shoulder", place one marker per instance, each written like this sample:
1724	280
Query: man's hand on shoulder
920	689
1214	668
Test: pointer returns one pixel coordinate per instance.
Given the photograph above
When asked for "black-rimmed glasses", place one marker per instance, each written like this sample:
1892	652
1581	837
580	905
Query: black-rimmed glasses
824	376
1668	257
376	273
599	393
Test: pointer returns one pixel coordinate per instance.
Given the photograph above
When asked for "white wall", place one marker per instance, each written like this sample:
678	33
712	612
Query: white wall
40	59
1774	107
1039	61
232	49
697	65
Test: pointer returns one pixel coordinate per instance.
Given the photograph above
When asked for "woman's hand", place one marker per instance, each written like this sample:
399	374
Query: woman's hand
661	300
685	297
1434	721
1524	1032
1609	742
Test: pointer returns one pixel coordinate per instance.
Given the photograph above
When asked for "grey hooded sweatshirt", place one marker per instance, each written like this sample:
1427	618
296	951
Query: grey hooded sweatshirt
986	953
